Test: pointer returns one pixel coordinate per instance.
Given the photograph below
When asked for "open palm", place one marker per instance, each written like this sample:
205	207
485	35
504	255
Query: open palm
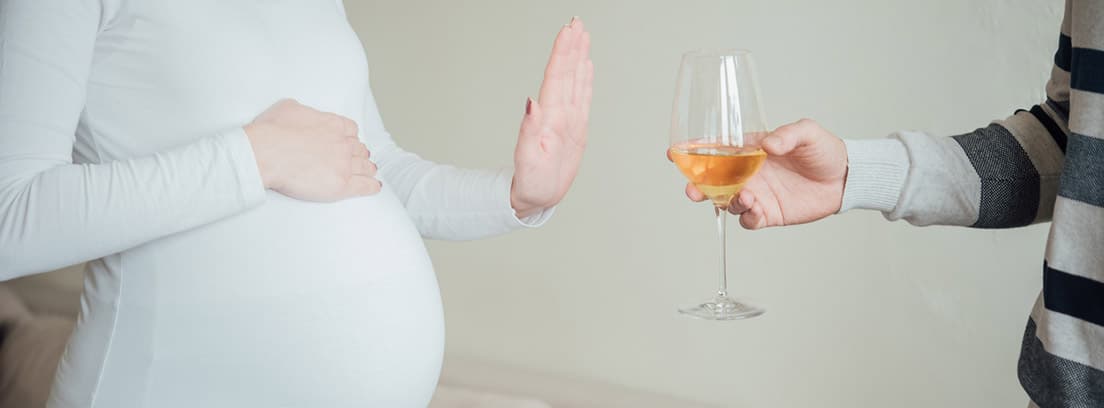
553	133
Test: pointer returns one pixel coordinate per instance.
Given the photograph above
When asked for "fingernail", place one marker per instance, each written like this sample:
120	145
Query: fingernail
572	22
528	105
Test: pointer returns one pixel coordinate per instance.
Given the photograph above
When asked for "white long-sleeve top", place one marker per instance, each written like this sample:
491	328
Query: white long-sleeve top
121	144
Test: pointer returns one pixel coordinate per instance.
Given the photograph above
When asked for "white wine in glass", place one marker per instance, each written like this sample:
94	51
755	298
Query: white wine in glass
715	128
719	171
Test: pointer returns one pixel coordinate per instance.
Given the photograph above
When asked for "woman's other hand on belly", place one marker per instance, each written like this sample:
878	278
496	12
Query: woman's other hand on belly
310	155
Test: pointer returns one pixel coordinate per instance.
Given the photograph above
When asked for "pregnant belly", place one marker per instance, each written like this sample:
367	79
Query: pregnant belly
292	304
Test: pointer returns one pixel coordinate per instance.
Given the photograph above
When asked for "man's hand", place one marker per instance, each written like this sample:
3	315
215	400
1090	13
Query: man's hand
554	131
802	180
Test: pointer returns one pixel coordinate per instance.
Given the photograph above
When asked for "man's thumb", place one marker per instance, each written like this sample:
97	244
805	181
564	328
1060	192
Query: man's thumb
785	139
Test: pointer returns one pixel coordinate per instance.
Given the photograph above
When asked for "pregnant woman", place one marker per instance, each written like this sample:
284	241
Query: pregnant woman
239	260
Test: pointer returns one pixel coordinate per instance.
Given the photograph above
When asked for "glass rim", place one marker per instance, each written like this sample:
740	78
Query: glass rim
716	52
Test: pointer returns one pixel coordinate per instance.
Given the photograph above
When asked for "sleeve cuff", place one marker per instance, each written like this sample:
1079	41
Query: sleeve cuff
505	181
876	171
240	151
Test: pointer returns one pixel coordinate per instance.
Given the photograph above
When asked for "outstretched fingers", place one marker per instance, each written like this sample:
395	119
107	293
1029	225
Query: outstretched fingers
559	75
582	74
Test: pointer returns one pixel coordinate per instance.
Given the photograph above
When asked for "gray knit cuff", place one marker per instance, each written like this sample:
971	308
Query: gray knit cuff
876	171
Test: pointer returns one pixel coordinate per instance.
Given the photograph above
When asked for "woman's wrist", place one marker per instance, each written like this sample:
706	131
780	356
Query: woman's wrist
259	152
522	208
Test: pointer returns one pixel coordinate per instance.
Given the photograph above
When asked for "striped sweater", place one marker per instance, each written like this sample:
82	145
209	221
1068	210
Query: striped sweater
1045	163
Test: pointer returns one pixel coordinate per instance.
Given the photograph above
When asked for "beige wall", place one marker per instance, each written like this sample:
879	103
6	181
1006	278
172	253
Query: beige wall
862	312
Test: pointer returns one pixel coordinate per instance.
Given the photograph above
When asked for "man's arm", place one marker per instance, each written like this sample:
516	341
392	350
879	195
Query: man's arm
1001	176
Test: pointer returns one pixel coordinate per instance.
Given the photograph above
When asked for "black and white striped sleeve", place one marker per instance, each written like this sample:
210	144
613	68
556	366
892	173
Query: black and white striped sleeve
1001	176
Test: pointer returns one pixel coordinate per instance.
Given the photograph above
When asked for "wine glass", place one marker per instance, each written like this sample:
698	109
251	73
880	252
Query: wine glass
716	124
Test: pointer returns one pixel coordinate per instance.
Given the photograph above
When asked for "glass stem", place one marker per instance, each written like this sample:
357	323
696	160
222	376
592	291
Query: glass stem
722	291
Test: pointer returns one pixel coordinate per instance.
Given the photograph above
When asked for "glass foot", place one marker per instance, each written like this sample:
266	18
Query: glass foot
722	308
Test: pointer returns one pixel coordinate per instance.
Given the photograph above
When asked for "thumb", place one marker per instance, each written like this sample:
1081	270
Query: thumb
785	139
531	123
